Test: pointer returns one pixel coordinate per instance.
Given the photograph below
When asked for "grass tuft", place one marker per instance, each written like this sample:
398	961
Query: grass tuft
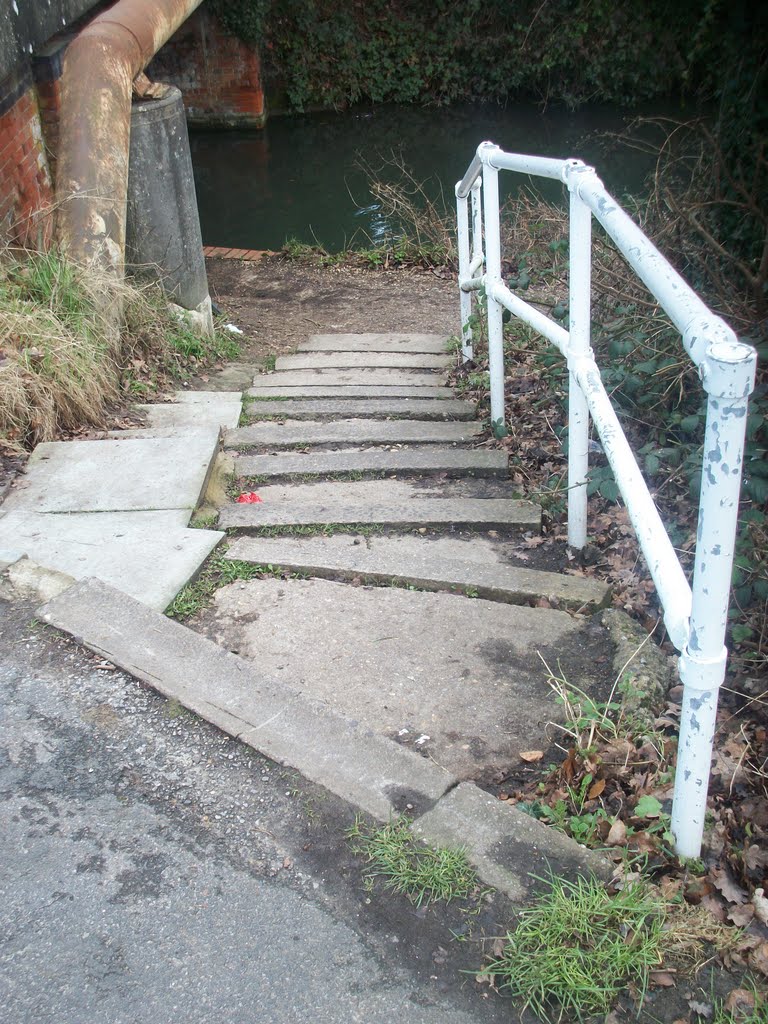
409	867
580	946
217	572
75	341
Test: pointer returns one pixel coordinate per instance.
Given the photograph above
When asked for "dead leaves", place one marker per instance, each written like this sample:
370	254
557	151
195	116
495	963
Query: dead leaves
531	756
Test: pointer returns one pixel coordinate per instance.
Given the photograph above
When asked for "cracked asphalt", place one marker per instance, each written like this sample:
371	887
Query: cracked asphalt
156	870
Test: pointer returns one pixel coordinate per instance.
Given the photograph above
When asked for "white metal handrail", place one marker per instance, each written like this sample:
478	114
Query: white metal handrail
695	615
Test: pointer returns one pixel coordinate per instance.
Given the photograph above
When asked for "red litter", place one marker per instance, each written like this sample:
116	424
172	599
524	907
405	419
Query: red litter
248	498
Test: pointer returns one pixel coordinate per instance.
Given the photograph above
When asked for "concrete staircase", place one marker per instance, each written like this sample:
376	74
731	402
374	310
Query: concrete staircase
393	647
400	461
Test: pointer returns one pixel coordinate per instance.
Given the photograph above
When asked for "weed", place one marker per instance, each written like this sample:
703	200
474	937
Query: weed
585	718
217	572
580	946
174	709
191	345
204	521
317	530
409	867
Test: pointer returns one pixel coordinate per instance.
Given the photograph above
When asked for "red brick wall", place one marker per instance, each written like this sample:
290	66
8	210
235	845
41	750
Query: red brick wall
219	76
47	67
26	189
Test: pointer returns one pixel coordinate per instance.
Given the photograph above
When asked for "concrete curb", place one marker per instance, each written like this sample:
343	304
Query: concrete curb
507	847
646	673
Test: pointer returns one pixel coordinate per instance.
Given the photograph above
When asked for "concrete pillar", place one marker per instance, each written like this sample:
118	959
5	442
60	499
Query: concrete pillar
163	239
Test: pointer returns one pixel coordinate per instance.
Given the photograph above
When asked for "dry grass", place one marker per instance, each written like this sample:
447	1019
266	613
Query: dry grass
74	342
59	363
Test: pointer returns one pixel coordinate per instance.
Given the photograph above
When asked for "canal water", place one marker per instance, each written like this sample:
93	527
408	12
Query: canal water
300	176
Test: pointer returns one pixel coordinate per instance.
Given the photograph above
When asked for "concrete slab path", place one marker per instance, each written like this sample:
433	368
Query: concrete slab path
435	343
147	555
372	408
118	508
130	474
347	757
306	433
433	459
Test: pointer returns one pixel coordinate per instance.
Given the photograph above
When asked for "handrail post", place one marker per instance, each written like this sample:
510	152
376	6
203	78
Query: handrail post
728	375
465	297
477	227
579	316
492	279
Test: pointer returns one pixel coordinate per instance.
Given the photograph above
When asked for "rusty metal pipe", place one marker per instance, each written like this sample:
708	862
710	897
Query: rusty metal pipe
92	169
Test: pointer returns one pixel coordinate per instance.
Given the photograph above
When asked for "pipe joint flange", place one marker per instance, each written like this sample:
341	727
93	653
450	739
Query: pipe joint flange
572	169
486	151
702	674
581	362
494	288
728	368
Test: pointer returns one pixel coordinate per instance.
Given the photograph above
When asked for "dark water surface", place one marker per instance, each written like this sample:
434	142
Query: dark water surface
299	176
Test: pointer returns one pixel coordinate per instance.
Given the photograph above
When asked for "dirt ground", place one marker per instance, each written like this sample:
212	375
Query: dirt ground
280	303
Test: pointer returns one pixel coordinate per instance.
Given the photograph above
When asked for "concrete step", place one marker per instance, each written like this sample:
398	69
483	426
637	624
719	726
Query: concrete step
381	491
434	343
313	392
366	360
148	555
434	459
497	513
207	409
412	560
294	433
375	408
353	378
459	680
130	474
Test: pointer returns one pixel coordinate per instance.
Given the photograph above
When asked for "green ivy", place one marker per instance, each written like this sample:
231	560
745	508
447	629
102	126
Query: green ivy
331	54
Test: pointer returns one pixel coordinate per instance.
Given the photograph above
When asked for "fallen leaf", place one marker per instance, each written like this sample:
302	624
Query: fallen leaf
663	979
758	958
703	1009
727	886
618	834
696	889
738	1000
596	789
714	906
741	914
760	903
756	858
529	756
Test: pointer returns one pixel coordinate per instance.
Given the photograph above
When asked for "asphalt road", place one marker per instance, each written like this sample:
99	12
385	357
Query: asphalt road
154	871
